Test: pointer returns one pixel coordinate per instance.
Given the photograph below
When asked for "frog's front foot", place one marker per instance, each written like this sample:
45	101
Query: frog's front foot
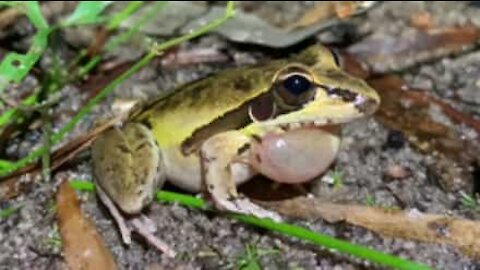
222	173
245	206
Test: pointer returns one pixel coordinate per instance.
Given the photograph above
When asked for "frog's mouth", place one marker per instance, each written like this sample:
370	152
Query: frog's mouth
321	114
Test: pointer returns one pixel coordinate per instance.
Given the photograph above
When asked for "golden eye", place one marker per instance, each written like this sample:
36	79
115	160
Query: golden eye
293	87
297	84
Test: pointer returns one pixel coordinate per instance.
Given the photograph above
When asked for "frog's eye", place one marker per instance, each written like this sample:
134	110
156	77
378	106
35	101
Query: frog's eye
297	84
294	88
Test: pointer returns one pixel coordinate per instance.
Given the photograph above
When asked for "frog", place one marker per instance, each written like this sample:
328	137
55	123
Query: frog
207	136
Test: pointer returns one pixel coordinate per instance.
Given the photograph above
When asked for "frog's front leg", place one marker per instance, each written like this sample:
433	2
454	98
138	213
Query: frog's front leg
222	170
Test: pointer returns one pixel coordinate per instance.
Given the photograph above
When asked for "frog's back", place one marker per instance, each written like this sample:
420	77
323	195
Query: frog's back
199	104
220	102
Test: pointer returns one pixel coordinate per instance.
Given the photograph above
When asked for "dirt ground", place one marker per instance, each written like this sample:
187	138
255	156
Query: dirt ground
207	241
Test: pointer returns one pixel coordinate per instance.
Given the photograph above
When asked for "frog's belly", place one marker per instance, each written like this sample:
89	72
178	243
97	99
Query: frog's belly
185	171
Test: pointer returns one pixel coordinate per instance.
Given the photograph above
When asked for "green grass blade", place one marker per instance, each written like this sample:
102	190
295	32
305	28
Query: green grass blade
302	233
152	12
287	229
5	164
5	213
14	66
229	13
82	185
34	14
11	114
182	199
119	17
157	49
332	243
86	12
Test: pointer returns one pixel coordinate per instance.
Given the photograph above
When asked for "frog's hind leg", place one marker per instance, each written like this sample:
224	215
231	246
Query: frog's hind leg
222	171
125	231
142	226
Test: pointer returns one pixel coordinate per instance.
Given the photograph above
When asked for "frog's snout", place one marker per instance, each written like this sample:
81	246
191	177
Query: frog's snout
367	104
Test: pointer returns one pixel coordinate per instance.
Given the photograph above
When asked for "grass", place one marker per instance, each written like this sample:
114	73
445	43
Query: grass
55	240
251	259
324	241
370	200
9	167
337	177
7	212
469	202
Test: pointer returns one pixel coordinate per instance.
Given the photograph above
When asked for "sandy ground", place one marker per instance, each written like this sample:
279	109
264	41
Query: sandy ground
207	241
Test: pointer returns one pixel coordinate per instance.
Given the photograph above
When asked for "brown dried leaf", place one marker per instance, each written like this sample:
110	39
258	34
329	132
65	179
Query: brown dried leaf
182	58
82	245
321	12
345	9
327	10
9	16
393	53
413	225
422	20
409	111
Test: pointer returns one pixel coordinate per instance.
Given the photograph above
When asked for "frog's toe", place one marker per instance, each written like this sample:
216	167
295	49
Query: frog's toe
142	228
245	206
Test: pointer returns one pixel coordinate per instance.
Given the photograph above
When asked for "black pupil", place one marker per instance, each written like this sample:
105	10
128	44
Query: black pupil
297	84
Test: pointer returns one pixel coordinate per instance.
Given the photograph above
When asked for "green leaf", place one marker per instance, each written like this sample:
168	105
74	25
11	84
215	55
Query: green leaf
12	114
4	164
5	213
34	14
82	185
87	12
15	66
119	17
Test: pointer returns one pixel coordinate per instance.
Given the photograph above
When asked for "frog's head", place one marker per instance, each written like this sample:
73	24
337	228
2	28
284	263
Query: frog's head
312	89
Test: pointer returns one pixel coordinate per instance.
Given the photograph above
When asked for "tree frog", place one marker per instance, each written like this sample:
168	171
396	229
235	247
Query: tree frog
212	134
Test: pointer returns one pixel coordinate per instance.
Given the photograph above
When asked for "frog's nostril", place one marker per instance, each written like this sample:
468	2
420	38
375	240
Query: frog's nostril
366	105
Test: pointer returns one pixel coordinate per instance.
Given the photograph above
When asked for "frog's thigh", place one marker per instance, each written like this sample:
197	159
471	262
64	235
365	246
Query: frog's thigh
128	165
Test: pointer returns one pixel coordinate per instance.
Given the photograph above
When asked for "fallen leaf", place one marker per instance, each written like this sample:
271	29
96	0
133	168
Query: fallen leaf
422	20
397	172
244	27
409	111
82	245
388	54
324	11
9	16
181	58
320	12
413	225
345	9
